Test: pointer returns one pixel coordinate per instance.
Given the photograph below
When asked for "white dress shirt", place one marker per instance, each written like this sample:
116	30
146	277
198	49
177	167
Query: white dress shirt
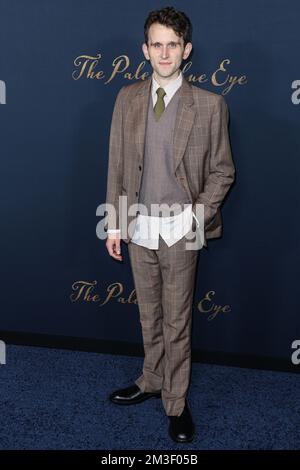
171	229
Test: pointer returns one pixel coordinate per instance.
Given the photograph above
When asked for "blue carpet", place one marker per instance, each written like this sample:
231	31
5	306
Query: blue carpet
57	399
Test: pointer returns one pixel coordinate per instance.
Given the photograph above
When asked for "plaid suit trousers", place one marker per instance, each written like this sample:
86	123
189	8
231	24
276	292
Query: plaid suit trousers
164	283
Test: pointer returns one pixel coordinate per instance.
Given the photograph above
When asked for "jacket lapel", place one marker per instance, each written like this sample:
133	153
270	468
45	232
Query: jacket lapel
184	121
141	107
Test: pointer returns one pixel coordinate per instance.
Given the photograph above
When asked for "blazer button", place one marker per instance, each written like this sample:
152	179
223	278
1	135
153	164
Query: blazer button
136	194
140	168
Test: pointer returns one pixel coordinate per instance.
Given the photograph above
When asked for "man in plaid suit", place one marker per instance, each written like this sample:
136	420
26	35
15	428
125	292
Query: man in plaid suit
169	147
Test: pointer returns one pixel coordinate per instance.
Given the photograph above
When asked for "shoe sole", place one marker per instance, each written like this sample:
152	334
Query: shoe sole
128	403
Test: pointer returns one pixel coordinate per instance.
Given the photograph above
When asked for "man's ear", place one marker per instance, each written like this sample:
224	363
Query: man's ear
145	51
187	50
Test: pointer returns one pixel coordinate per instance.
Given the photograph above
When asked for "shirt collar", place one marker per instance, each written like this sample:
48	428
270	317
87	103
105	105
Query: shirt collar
170	88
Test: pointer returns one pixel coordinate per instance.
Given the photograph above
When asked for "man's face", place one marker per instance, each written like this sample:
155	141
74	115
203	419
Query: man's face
165	50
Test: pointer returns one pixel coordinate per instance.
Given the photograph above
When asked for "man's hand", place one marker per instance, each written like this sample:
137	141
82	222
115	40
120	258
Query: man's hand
113	245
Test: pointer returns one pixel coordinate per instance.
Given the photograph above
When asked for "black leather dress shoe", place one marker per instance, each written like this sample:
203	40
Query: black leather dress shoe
132	395
181	428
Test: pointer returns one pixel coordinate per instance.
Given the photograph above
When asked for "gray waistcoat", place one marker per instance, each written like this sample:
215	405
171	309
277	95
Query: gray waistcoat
159	184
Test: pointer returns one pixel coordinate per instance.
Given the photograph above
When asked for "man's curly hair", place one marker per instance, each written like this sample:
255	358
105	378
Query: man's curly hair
172	18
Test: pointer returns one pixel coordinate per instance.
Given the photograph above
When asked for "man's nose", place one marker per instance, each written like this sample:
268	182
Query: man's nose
165	52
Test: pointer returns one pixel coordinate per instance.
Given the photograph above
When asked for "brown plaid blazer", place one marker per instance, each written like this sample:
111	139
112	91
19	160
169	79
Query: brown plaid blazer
202	156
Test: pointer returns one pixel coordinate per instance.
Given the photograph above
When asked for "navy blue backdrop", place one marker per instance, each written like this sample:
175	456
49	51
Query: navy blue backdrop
61	66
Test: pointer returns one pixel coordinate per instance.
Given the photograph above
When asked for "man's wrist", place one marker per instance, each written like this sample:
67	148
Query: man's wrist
113	233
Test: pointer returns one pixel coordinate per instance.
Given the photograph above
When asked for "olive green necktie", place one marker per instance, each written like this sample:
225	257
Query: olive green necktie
160	104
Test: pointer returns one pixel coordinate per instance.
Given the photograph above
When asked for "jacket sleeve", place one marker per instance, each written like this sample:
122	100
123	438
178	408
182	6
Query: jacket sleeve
221	168
115	165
